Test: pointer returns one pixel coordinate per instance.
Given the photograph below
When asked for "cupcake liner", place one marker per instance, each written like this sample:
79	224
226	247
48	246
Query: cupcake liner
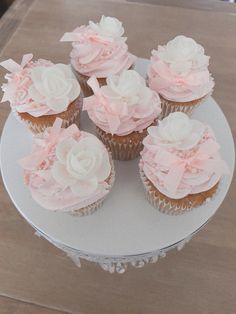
86	89
169	106
91	208
125	147
172	206
88	210
39	124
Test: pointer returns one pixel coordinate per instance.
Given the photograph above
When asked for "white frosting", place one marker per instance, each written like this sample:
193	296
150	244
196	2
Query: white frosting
183	54
81	165
177	131
108	27
56	86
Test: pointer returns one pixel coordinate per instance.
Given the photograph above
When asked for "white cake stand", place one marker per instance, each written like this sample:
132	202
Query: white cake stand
127	229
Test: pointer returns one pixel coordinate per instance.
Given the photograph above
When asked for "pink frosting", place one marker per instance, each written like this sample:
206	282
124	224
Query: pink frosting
176	172
19	81
23	93
194	83
115	115
95	54
38	175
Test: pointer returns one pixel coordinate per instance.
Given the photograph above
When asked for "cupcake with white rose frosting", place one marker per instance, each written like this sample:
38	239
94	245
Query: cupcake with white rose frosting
179	73
40	91
122	110
181	164
100	50
68	170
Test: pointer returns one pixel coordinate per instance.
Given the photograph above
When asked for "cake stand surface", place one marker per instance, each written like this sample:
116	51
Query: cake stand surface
126	229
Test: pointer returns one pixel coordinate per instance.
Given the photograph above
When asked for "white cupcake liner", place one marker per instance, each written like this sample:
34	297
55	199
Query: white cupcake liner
88	210
125	148
168	106
164	204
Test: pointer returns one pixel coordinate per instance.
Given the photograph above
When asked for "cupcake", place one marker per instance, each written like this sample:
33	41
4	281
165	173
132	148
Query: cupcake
68	170
40	91
181	165
122	110
99	50
179	73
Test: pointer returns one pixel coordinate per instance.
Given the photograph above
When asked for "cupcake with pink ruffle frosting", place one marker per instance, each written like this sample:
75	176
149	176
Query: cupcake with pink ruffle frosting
100	50
40	91
68	170
179	72
180	165
122	110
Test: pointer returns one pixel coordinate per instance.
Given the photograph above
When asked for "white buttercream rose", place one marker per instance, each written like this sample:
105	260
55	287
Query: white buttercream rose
177	131
55	86
81	165
129	85
183	54
108	27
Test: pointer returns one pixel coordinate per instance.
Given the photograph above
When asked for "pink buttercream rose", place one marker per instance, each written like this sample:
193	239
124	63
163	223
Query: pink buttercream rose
124	105
179	70
99	48
181	157
67	167
39	87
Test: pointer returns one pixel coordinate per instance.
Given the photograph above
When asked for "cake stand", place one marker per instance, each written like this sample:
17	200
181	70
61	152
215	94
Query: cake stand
126	229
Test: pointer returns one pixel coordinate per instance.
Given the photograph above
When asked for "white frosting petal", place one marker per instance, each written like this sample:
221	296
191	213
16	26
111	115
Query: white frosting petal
63	148
55	85
75	89
35	94
61	175
58	104
36	75
108	27
84	188
178	131
104	169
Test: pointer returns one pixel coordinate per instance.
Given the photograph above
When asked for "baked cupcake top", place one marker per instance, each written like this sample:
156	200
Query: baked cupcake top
179	70
124	105
181	156
99	49
67	168
39	87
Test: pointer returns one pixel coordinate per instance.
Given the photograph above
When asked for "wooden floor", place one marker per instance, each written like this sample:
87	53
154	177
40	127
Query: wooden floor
35	277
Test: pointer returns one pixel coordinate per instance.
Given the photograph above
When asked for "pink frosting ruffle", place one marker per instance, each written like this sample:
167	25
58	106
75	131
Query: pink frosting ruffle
113	115
38	175
19	81
93	54
180	88
178	173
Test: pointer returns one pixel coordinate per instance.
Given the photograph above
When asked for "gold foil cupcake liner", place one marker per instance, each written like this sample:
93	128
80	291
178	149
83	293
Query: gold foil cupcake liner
168	106
126	147
91	208
171	206
70	116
